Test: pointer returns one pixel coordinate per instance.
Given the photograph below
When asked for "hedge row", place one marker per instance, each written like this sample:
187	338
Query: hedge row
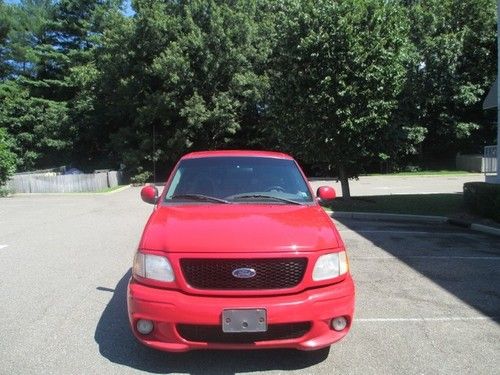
483	199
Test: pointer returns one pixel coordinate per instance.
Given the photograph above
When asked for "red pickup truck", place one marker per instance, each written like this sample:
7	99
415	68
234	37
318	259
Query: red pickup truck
238	254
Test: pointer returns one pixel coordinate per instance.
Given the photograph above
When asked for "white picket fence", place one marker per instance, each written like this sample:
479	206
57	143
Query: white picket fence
71	183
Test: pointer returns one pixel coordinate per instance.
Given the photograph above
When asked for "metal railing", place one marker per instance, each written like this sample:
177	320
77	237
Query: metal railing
490	160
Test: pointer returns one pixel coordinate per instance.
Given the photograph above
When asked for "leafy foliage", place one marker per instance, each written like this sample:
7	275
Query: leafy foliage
34	123
5	27
452	72
339	68
7	157
193	72
349	84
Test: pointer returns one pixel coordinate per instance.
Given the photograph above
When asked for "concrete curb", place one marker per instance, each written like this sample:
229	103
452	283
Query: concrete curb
415	218
485	229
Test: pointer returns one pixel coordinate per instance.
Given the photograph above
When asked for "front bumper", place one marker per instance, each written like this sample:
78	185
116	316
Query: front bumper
167	308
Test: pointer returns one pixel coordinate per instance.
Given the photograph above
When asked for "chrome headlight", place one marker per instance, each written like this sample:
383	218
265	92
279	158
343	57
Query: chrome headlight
153	267
329	266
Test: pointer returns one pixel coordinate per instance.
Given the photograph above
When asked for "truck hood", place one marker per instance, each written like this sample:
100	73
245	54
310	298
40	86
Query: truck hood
221	228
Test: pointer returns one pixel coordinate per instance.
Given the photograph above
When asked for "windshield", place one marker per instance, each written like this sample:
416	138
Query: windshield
238	180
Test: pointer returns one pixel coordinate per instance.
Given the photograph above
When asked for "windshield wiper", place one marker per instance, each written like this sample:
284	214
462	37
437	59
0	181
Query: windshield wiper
199	197
266	196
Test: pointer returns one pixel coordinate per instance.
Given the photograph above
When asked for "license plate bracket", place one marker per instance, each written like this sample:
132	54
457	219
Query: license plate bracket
244	320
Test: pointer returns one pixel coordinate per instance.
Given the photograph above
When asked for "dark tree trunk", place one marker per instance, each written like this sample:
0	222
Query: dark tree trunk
344	182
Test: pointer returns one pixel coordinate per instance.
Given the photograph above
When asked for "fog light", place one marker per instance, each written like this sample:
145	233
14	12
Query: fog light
144	326
338	324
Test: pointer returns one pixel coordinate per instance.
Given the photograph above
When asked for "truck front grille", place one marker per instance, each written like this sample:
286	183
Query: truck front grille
217	274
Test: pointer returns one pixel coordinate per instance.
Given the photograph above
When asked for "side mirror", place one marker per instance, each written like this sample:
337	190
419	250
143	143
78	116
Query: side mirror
149	194
326	194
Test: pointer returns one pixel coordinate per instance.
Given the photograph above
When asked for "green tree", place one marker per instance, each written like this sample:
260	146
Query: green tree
337	71
454	67
46	103
5	26
7	157
33	107
190	74
80	28
34	124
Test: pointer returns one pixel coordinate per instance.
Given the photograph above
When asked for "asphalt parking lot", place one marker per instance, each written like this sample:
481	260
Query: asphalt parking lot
402	184
428	297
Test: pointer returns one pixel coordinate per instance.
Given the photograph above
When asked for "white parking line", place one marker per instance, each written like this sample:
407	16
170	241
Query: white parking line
3	246
437	319
428	257
427	192
405	232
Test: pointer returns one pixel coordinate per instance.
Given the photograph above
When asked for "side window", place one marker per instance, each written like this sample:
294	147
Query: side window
175	183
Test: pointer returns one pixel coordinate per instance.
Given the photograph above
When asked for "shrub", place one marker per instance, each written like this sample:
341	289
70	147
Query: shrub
483	199
141	178
5	191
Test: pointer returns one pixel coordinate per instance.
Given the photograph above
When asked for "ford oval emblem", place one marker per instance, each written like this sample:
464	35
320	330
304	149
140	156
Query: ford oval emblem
244	273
